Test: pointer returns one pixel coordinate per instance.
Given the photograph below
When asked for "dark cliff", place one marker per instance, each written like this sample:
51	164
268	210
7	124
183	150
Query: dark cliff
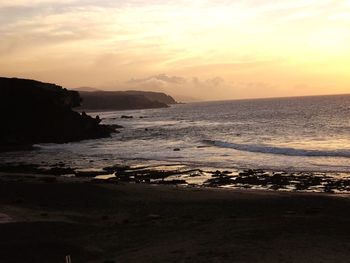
36	112
124	100
153	96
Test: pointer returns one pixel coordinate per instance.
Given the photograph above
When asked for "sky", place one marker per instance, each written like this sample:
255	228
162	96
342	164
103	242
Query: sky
200	50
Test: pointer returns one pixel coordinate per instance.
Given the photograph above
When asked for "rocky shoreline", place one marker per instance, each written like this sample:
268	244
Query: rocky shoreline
189	177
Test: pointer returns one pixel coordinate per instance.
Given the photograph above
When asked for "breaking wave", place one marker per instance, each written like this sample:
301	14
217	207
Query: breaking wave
279	150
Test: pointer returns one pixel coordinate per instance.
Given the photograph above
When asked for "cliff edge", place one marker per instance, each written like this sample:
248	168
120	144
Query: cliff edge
124	100
36	112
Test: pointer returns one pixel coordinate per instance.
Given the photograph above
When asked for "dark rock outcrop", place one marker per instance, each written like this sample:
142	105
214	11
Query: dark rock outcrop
36	112
124	100
126	117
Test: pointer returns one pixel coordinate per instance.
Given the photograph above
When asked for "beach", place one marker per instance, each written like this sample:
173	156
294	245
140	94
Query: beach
174	131
237	181
45	218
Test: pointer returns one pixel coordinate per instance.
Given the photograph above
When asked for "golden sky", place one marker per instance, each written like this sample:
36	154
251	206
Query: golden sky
205	49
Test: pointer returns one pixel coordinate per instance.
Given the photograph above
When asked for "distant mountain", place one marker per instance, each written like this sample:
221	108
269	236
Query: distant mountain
37	112
124	100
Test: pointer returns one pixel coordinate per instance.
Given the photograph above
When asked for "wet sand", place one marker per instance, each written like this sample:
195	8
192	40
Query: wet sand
43	220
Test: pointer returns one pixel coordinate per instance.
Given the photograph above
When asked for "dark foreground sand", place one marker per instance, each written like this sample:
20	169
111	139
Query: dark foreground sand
95	222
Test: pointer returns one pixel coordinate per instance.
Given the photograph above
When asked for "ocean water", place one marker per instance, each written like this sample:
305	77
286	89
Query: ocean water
289	134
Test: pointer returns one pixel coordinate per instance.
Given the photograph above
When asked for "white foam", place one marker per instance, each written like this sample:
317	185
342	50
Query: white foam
280	150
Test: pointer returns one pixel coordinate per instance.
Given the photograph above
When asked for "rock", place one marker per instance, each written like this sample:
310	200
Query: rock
116	168
248	172
217	173
328	189
97	118
219	181
39	112
127	117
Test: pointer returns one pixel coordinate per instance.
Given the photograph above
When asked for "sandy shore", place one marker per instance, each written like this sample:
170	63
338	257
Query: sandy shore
43	220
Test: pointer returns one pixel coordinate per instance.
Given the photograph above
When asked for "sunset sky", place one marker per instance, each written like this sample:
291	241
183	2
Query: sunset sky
206	49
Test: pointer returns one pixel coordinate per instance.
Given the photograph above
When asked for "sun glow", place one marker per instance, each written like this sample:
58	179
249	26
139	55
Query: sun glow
277	45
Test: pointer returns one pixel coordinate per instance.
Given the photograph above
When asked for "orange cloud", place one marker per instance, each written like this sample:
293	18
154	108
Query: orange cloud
93	43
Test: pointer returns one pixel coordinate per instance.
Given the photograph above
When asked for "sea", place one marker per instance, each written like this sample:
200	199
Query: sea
309	134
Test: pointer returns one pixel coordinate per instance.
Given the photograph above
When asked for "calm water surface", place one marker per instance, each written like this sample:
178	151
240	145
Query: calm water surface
294	134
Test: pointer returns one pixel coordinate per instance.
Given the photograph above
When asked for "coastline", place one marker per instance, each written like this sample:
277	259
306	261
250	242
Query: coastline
191	176
147	194
96	221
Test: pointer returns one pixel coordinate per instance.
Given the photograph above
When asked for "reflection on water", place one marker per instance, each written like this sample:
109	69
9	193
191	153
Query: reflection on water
295	134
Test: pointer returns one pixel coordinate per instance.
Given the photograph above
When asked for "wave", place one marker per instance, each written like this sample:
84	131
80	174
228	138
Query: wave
279	150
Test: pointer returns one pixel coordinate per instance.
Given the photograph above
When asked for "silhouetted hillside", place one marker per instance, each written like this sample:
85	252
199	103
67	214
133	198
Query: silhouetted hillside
124	100
154	96
34	112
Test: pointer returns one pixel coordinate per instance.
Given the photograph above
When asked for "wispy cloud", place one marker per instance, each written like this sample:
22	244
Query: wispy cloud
196	88
116	40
